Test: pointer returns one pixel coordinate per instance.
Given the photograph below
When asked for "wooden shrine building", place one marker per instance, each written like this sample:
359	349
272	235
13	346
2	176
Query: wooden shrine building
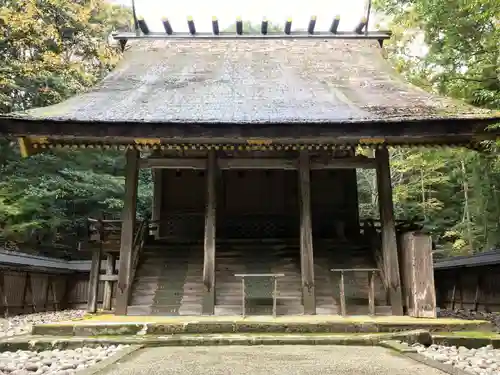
254	142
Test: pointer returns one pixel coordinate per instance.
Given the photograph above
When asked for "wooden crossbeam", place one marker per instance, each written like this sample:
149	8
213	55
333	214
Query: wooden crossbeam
257	163
375	35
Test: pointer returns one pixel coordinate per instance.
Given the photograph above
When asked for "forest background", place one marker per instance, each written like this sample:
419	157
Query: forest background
53	49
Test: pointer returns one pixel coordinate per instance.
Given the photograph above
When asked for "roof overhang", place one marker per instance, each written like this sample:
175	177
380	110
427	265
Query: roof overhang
36	135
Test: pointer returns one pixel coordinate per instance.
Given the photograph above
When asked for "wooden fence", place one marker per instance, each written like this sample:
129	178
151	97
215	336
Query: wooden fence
472	288
28	291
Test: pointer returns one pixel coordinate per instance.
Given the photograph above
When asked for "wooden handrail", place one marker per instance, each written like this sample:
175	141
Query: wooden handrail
138	245
104	221
243	276
371	287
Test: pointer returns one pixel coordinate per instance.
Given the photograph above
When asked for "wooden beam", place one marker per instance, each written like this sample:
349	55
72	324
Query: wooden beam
157	199
127	231
373	35
478	292
109	278
454	291
389	242
355	162
95	268
108	284
174	163
431	131
258	163
208	306
233	163
306	243
371	292
343	311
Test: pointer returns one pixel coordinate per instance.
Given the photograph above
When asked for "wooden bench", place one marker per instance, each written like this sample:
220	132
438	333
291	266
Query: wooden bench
371	287
243	276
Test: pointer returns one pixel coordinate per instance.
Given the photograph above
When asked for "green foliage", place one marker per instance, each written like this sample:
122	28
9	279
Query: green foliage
454	191
462	37
50	50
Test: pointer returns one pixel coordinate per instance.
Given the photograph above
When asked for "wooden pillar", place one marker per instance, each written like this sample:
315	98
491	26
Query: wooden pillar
478	292
127	231
95	270
343	310
389	241
108	284
306	244
418	275
208	306
157	200
371	292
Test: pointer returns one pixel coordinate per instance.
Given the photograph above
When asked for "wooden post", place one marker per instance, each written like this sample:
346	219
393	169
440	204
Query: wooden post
454	291
275	294
127	231
389	241
418	271
3	296
306	244
95	270
157	200
371	292
108	285
243	297
478	292
208	306
342	294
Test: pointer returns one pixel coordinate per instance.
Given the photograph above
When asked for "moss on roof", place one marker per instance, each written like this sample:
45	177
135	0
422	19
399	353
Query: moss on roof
255	81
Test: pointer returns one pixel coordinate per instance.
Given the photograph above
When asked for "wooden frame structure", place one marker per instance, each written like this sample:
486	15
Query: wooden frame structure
299	148
303	165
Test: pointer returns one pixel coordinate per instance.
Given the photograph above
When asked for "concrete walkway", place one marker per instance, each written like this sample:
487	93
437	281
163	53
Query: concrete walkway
268	360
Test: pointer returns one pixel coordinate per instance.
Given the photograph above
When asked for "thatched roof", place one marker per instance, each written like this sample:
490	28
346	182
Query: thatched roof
254	81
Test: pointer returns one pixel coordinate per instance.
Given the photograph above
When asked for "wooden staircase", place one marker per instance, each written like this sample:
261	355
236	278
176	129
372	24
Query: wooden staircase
257	258
328	255
168	280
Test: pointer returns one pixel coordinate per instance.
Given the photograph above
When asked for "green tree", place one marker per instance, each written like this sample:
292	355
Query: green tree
50	50
462	38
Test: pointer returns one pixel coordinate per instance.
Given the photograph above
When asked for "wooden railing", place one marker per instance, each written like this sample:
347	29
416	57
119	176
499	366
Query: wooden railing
371	287
104	236
137	247
244	276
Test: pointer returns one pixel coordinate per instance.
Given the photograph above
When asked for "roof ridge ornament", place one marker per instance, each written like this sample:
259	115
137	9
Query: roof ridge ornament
360	31
142	31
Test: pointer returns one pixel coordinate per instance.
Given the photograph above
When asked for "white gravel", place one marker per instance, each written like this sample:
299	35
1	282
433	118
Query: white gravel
483	361
20	324
49	362
54	362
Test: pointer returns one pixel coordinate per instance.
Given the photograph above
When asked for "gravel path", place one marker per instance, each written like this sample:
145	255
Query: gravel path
483	361
269	360
20	324
54	362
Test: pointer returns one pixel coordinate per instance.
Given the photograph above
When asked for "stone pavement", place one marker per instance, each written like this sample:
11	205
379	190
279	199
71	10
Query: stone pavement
268	360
